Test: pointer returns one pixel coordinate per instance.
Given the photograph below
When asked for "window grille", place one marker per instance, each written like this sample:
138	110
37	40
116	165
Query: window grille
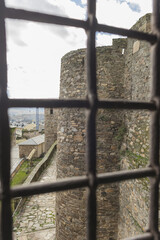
91	181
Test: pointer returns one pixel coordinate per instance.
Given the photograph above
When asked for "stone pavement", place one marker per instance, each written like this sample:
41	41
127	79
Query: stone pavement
36	220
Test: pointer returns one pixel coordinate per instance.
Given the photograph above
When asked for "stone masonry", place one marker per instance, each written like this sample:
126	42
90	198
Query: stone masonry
50	127
71	205
134	195
123	72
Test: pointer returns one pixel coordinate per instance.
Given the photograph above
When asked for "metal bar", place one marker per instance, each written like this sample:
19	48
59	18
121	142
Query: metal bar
5	213
79	182
59	185
44	18
124	104
144	236
74	103
91	104
52	19
113	177
91	121
48	103
152	38
154	136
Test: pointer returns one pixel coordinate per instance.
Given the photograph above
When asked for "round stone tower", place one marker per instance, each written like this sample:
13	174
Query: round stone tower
71	205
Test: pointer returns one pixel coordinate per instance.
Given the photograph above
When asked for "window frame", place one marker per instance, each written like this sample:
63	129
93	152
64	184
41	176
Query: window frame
92	104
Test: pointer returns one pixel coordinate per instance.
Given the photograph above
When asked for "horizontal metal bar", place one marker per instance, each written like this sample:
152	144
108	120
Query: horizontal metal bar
48	103
59	185
79	182
52	19
123	104
112	177
127	32
44	18
144	236
75	103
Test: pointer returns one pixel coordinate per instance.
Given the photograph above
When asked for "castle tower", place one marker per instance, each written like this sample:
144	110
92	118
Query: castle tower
134	195
71	205
50	127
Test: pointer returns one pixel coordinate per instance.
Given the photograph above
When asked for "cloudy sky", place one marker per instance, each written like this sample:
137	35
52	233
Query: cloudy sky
34	50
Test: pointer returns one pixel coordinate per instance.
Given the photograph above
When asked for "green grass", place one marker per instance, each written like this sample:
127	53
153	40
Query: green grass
23	172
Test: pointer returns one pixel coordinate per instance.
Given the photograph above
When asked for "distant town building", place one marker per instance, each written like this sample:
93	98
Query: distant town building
18	132
30	127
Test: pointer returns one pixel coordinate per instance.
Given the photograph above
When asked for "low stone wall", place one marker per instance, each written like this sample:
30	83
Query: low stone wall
17	168
35	174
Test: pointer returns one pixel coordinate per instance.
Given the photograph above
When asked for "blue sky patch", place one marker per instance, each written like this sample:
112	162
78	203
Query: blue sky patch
133	6
78	2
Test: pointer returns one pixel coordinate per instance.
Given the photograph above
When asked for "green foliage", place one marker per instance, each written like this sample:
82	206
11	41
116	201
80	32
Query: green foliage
23	172
20	176
136	160
135	222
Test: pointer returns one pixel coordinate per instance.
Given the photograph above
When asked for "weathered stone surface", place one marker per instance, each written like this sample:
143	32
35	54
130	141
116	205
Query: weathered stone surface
51	116
123	72
134	195
71	205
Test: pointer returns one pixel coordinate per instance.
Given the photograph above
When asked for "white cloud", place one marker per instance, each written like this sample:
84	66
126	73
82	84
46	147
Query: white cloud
34	68
145	5
35	50
57	7
119	14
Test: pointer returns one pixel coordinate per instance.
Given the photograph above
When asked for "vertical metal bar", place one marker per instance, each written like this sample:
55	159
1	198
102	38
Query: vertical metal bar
91	120
5	214
154	138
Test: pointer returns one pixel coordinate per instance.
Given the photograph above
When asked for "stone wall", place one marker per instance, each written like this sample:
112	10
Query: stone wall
134	195
50	127
123	72
25	150
71	205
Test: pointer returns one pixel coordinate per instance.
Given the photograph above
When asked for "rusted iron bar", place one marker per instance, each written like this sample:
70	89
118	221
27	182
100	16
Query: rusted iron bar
5	211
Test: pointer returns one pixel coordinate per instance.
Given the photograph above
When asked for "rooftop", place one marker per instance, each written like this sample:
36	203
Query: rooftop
33	141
